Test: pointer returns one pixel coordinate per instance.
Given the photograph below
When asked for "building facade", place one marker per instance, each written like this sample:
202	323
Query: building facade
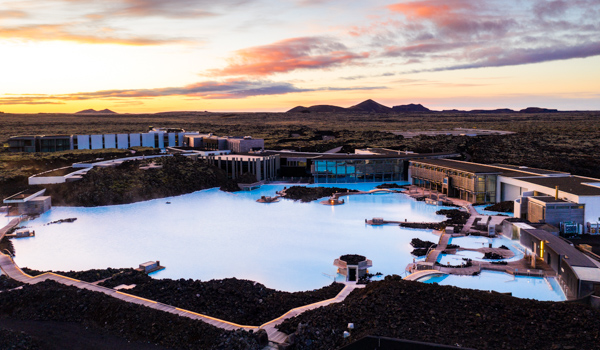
471	183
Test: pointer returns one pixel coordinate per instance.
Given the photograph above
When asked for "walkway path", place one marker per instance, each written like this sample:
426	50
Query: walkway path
10	269
441	246
420	274
279	337
11	224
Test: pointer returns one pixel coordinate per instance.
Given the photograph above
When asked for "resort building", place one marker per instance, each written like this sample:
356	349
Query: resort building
264	167
578	275
574	200
154	138
377	165
40	143
29	202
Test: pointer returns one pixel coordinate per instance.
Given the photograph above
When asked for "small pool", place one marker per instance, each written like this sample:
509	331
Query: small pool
457	259
539	288
474	242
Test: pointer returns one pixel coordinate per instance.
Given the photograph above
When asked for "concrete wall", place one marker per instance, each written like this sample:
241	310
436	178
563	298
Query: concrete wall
592	209
110	141
172	139
148	140
122	141
83	141
96	141
161	139
135	140
510	192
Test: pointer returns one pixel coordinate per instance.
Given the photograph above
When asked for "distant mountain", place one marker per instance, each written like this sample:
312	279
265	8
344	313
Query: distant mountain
368	106
492	111
371	107
538	110
316	109
411	108
93	111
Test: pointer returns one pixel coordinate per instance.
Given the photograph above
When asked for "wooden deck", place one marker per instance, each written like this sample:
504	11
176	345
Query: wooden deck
441	246
420	274
11	224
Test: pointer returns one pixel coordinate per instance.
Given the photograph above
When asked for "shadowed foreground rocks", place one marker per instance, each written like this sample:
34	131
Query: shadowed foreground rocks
231	299
50	301
447	315
7	283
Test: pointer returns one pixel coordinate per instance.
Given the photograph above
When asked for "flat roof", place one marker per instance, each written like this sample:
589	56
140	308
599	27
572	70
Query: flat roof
587	273
523	225
342	156
460	165
237	156
577	185
531	170
336	156
514	171
548	199
572	256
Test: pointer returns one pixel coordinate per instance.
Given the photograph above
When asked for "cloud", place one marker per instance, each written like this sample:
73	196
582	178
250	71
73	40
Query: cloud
176	9
455	18
229	89
62	32
550	8
420	50
289	55
8	14
500	57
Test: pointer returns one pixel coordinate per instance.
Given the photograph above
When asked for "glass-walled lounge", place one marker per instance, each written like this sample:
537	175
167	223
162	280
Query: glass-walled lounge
469	186
357	170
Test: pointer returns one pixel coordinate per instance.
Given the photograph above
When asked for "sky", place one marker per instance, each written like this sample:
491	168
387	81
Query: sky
146	56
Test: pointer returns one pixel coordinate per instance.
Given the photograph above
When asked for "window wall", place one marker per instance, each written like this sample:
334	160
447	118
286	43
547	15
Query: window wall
357	170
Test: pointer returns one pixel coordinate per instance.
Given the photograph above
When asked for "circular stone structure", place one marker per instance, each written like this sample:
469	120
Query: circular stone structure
353	266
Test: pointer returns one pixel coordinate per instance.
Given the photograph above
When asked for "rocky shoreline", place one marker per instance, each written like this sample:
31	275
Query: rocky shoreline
129	183
8	284
309	194
456	218
240	301
502	207
446	315
50	301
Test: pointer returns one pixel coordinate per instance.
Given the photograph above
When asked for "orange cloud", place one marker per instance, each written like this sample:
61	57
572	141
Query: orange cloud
228	89
288	55
428	9
47	32
12	14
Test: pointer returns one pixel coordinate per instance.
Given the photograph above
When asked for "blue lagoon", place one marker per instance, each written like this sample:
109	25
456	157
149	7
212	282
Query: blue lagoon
212	234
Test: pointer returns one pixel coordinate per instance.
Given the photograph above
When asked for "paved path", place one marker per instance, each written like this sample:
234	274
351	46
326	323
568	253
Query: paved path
10	269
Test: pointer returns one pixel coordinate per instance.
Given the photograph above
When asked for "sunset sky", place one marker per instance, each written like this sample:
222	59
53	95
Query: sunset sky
267	55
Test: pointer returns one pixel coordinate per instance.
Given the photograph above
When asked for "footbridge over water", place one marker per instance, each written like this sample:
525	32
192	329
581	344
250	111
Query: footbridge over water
423	273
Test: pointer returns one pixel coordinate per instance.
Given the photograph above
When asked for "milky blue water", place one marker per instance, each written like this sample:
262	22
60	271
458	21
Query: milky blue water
520	286
212	234
482	242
